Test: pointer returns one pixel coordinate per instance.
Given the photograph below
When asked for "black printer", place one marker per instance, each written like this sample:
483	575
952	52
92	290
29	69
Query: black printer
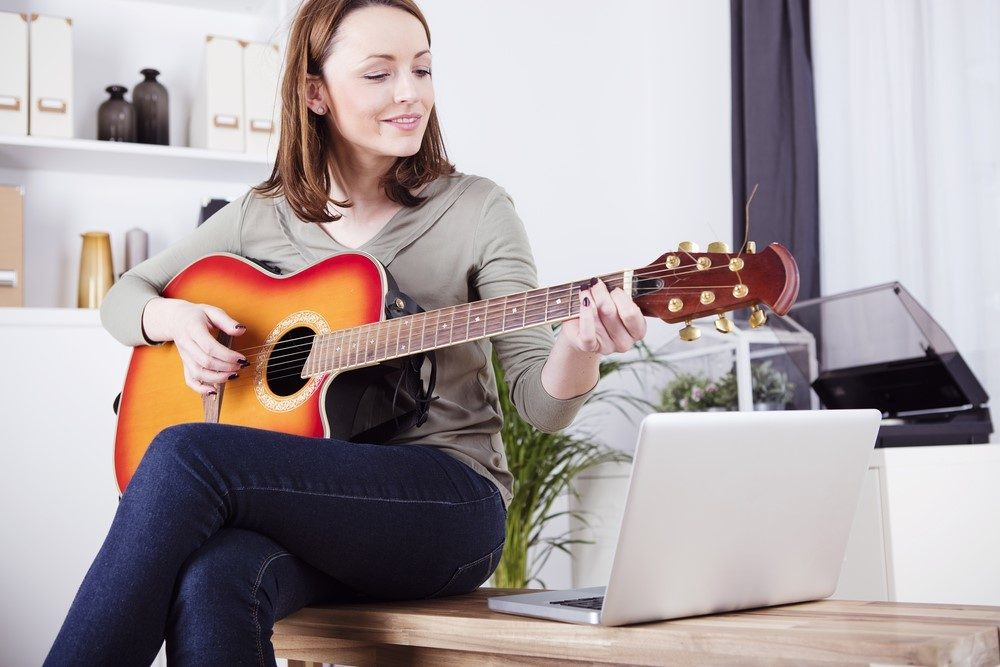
878	348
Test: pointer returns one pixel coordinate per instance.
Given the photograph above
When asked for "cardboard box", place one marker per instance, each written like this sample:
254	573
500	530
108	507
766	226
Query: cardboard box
262	100
217	112
50	46
14	74
11	245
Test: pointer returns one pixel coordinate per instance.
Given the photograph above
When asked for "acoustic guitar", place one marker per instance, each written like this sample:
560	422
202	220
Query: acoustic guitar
305	328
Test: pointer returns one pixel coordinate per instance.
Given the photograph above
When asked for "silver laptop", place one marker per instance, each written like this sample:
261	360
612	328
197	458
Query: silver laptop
726	511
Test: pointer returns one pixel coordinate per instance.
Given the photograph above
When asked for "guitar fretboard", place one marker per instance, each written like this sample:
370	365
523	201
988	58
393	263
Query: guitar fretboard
374	343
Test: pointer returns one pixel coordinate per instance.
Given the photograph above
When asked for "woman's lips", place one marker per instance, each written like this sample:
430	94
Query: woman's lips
404	122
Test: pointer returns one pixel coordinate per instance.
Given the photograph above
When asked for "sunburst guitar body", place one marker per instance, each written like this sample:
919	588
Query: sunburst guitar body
282	315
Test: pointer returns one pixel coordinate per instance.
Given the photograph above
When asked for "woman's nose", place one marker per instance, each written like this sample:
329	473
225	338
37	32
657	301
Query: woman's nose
406	89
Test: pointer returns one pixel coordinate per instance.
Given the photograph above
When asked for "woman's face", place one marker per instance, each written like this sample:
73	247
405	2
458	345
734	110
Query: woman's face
378	82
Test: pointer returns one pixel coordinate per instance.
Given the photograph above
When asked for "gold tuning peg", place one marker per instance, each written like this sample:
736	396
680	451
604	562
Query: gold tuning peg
687	246
723	324
689	332
757	317
718	246
751	247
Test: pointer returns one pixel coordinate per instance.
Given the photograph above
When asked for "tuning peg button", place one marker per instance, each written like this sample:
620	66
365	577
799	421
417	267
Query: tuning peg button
718	246
757	317
723	324
687	246
689	332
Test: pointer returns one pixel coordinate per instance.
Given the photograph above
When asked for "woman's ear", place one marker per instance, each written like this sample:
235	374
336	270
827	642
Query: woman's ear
316	94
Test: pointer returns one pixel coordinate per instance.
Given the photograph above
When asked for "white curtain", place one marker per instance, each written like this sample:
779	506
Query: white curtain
908	121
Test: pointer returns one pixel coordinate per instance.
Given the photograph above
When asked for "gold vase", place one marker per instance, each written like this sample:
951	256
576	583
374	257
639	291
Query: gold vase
96	272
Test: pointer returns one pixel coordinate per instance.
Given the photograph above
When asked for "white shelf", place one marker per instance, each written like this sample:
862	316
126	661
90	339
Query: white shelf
238	6
50	317
130	159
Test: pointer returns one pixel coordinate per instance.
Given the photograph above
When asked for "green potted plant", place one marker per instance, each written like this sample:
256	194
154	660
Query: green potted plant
771	388
543	465
691	392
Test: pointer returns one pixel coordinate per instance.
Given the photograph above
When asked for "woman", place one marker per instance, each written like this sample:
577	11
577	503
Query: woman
224	529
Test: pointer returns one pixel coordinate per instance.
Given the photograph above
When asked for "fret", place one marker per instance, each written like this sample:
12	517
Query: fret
433	318
536	306
444	326
398	345
337	348
426	332
378	347
514	312
494	315
322	353
354	358
460	323
384	336
477	320
558	302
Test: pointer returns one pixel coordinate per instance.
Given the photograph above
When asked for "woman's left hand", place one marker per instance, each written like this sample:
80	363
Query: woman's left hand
609	321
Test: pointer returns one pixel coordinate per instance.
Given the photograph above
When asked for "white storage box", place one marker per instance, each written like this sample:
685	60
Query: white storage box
217	111
262	99
13	74
51	77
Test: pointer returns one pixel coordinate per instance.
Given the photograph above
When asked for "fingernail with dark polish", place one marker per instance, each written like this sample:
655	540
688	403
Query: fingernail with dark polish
234	376
586	302
240	326
212	393
243	362
593	281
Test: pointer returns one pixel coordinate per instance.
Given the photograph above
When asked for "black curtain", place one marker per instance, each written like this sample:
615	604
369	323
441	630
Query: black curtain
774	131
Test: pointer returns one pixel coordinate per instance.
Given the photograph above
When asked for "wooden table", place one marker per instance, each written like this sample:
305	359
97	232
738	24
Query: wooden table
462	631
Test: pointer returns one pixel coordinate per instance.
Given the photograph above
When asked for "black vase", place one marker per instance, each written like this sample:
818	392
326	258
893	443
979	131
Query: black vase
116	117
152	110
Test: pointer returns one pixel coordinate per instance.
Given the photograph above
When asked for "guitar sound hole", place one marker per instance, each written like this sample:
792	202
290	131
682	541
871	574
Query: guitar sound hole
284	367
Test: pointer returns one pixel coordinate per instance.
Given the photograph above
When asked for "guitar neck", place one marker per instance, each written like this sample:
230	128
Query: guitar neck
374	343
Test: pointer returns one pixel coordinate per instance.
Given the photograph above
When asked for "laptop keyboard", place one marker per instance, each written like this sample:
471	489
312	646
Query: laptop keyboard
585	603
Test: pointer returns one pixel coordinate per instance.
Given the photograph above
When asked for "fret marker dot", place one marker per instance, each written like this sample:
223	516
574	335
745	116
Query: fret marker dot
444	326
477	319
514	311
558	301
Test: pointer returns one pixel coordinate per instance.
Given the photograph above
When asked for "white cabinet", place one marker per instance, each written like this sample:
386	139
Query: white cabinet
61	372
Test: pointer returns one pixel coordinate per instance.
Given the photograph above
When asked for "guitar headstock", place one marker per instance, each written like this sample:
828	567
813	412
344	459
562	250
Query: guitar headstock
686	284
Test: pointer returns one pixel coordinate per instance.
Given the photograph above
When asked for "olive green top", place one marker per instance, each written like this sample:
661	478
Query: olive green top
463	243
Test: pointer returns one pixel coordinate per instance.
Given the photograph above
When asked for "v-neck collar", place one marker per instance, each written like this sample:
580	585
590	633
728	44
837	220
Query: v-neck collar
406	224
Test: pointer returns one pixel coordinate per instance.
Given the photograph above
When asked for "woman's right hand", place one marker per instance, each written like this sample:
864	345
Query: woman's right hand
192	327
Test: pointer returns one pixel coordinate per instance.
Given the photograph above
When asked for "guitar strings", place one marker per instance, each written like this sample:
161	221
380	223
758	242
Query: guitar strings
574	289
534	305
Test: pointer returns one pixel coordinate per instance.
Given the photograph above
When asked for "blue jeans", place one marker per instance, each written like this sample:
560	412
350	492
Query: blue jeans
224	529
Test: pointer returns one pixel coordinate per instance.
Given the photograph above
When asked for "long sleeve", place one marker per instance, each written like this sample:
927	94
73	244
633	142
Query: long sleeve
122	307
505	266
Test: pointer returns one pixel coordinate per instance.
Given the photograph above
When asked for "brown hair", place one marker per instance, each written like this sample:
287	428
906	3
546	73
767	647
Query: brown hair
304	161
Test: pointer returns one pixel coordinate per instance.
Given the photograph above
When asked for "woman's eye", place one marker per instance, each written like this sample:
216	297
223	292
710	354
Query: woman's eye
376	77
423	71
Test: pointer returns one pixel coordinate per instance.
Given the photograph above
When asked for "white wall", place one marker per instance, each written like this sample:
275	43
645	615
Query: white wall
608	124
